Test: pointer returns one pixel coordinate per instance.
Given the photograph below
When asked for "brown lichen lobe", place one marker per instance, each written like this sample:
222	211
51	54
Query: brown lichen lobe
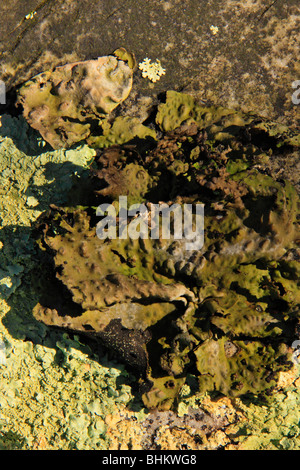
62	103
120	298
226	312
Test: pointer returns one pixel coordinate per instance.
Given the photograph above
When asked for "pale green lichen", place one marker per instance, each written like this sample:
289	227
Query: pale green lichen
56	395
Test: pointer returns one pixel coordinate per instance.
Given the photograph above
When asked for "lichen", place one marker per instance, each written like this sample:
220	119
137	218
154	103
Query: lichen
182	108
151	70
228	311
61	104
268	426
238	299
27	182
121	131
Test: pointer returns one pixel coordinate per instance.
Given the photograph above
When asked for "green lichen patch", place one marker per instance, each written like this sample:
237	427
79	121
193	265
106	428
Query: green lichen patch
114	281
122	130
222	123
273	425
181	108
56	395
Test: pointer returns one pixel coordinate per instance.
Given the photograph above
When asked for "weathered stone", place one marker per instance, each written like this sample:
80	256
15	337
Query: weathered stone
249	64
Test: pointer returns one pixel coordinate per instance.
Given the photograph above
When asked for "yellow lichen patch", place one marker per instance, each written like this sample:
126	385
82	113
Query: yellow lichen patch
216	440
41	443
123	431
177	439
222	407
286	379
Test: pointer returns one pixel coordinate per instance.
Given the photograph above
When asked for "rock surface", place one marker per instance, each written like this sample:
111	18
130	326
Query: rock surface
231	53
239	54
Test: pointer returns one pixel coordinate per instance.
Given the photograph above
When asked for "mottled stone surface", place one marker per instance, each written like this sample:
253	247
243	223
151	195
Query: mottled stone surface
250	63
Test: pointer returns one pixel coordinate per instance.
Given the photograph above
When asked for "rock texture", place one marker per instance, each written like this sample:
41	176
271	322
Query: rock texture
249	64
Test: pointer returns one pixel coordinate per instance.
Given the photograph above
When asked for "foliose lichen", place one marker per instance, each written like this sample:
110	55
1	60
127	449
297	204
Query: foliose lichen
55	392
48	401
63	104
226	313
